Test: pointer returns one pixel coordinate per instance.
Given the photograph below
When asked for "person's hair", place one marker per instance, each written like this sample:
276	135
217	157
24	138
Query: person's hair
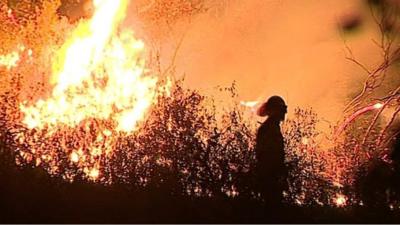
272	104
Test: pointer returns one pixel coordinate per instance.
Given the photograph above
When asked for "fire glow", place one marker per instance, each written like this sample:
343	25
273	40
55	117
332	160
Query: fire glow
11	60
98	74
340	200
252	105
356	114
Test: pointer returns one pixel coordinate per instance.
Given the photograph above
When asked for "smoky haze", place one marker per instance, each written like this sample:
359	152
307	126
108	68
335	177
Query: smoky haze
276	47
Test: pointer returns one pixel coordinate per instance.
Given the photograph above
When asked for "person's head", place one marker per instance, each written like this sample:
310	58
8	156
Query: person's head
274	107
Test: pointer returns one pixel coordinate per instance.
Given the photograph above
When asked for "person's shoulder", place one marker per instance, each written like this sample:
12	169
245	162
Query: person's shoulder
267	124
269	127
265	127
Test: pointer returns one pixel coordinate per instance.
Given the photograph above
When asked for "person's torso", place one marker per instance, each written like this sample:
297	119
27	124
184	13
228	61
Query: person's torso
270	147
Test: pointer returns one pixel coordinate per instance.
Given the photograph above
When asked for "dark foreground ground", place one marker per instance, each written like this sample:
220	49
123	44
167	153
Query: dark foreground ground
29	196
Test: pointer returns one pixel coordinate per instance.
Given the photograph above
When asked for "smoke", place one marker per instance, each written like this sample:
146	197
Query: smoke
277	47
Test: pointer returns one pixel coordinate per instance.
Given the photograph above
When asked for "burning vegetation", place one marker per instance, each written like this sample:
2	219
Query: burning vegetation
99	113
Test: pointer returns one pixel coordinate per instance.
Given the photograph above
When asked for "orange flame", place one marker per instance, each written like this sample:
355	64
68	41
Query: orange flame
11	60
98	73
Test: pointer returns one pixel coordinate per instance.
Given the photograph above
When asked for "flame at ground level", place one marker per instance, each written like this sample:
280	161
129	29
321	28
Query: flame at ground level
77	131
340	200
11	59
98	74
101	88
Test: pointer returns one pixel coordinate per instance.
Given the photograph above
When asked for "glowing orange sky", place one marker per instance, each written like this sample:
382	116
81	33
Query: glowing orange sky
285	47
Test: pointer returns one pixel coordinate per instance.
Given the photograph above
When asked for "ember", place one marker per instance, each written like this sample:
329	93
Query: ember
340	200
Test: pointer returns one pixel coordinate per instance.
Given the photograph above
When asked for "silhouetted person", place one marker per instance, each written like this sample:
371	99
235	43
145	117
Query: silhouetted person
271	171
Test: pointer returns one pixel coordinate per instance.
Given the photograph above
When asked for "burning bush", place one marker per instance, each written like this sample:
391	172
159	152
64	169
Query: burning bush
114	122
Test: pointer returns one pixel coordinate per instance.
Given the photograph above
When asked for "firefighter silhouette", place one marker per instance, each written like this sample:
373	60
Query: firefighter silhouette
271	172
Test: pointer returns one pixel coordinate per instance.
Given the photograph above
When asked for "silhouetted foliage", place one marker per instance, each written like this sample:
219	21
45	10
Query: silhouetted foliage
187	152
